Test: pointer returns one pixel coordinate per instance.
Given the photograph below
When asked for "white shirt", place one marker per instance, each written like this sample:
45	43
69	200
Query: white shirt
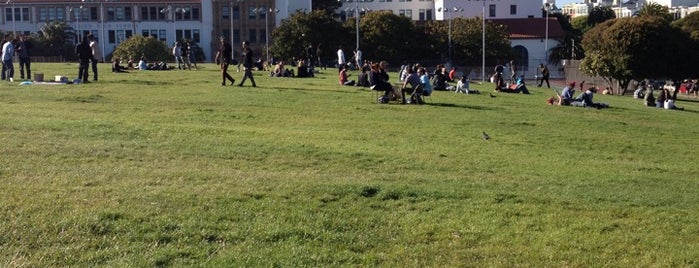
340	56
7	51
96	51
359	57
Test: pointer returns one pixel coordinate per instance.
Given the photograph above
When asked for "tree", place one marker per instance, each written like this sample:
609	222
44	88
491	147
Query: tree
598	15
637	48
655	10
55	38
467	41
689	24
387	36
137	46
302	29
569	47
328	6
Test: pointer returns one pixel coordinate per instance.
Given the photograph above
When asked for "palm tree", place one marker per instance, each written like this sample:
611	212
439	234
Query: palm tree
57	36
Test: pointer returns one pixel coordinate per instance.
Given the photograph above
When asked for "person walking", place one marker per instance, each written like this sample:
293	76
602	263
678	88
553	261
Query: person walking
544	75
8	51
340	58
247	64
84	54
96	55
23	49
319	53
224	57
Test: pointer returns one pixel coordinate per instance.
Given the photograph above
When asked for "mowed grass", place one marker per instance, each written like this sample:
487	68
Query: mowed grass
169	168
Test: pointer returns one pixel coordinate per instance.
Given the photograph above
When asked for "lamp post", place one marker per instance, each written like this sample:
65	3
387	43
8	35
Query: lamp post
448	11
356	15
483	46
547	8
77	20
266	12
14	18
174	17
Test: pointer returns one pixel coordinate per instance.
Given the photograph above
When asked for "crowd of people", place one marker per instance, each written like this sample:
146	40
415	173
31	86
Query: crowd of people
20	47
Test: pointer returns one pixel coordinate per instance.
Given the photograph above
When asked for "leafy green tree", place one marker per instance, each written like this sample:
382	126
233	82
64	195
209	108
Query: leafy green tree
138	45
303	29
328	6
656	10
638	48
689	24
598	15
467	41
569	46
580	23
387	36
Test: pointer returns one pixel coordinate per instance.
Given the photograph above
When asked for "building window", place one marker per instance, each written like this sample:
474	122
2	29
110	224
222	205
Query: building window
252	38
401	12
118	36
236	12
421	14
19	14
428	14
263	36
236	36
513	9
51	13
225	13
491	11
409	13
151	13
187	34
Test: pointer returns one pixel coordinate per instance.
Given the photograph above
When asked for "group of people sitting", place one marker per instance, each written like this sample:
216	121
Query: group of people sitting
666	98
584	99
302	70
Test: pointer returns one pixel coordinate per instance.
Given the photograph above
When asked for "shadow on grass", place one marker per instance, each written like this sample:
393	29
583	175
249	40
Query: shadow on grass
463	106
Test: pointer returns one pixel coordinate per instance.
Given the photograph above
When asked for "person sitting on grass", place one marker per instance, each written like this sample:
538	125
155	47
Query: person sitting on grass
566	97
413	80
378	82
116	66
585	99
343	77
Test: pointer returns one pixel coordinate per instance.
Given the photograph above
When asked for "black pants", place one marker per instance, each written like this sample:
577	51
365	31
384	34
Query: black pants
25	62
82	70
544	78
225	75
94	68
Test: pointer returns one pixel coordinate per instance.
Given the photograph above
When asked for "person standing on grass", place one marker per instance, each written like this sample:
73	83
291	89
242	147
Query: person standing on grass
23	48
224	57
247	64
544	75
8	51
84	54
340	58
319	52
96	55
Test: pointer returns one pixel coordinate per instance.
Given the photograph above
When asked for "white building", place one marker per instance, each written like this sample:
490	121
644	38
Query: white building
112	21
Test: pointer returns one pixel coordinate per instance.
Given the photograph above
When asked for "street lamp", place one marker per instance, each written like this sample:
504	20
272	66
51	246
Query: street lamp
77	20
356	14
448	11
266	13
174	17
14	18
483	48
547	8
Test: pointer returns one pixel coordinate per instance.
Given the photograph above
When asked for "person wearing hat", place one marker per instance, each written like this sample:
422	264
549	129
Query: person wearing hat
224	56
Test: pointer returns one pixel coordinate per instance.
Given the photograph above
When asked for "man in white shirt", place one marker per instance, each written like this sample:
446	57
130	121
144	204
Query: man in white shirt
96	55
340	58
8	51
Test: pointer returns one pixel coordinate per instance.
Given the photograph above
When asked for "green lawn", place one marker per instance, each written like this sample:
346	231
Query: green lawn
169	168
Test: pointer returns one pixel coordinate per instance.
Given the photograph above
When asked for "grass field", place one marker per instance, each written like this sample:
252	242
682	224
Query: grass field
171	169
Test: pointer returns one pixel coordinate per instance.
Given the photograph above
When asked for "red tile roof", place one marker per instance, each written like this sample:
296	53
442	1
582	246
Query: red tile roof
531	28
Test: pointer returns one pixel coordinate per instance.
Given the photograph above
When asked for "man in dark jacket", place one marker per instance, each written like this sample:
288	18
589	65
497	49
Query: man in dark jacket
84	53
